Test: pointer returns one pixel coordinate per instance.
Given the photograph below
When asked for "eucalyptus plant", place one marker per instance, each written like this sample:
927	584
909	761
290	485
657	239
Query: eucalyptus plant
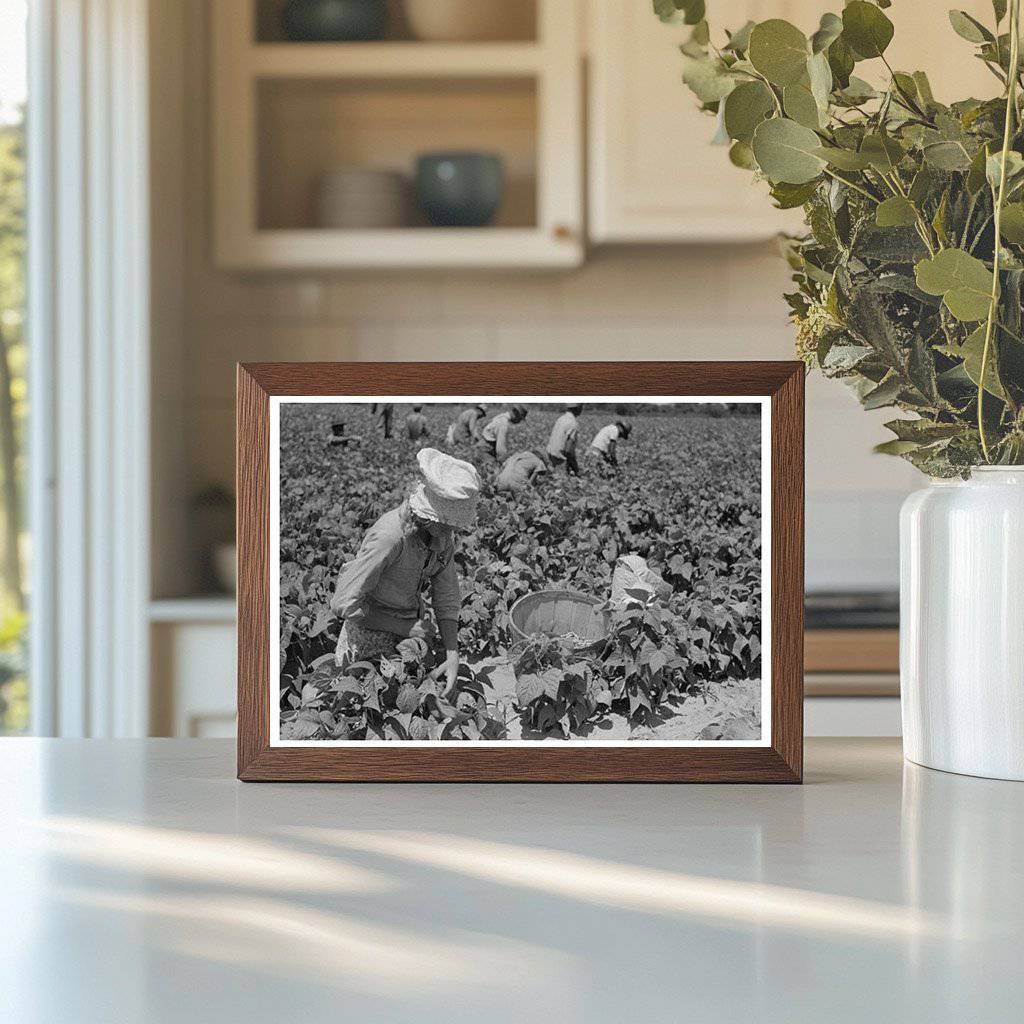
910	277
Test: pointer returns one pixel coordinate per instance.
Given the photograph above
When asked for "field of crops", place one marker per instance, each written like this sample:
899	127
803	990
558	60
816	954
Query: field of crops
686	498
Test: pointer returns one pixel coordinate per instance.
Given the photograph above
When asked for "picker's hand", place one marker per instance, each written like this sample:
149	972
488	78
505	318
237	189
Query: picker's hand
451	670
448	670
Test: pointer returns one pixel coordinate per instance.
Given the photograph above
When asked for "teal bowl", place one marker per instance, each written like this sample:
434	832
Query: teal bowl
334	21
462	190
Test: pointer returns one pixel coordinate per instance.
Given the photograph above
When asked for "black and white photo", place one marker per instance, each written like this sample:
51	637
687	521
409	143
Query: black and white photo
520	570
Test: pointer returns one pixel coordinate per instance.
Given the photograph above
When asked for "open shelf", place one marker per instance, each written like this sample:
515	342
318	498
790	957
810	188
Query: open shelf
308	127
286	114
520	23
406	248
392	60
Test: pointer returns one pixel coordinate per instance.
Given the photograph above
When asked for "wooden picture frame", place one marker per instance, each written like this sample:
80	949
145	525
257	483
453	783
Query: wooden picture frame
778	759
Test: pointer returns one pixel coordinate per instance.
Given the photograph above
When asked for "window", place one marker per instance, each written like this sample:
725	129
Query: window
14	693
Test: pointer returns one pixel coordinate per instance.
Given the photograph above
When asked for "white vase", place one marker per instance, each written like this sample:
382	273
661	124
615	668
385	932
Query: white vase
962	624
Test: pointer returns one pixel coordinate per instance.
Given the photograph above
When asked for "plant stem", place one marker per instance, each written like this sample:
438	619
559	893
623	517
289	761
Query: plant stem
853	185
980	232
775	98
1011	108
970	214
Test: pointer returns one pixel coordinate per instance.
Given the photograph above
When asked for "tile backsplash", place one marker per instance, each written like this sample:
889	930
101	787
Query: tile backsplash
709	303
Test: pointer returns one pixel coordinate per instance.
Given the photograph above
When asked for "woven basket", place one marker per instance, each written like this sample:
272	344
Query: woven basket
558	612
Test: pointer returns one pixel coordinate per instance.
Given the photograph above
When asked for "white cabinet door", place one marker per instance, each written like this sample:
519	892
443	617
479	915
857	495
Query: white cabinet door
654	177
193	679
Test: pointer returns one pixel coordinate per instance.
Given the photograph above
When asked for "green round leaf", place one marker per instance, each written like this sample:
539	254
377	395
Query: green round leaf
1012	224
895	212
883	152
924	87
993	166
745	108
976	173
947	156
819	75
741	155
971	351
665	10
690	12
693	11
707	79
787	152
950	268
779	51
921	187
969	28
844	159
866	29
800	105
905	85
740	39
857	91
963	281
829	30
895	447
840	62
788	197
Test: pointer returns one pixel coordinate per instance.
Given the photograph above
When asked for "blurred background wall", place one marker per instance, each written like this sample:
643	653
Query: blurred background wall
636	153
649	302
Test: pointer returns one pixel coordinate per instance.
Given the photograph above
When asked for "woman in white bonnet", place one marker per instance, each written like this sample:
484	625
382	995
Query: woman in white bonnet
378	593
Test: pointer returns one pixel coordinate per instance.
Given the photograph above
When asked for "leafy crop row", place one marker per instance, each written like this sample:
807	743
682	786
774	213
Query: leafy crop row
687	498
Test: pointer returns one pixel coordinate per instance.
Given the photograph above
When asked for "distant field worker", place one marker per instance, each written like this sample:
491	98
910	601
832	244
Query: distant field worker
494	436
378	591
520	471
384	412
339	439
467	425
562	443
416	424
606	441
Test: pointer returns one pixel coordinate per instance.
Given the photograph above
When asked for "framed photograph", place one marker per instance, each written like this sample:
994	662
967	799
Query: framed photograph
576	572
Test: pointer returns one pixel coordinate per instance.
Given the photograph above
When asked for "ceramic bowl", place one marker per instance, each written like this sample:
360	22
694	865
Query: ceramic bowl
460	189
470	20
333	21
359	197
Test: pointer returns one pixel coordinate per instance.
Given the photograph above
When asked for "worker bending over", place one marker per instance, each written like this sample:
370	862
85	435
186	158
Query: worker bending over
562	443
606	442
520	471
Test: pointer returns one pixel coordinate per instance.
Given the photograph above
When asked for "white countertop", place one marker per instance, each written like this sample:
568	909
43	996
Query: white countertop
140	882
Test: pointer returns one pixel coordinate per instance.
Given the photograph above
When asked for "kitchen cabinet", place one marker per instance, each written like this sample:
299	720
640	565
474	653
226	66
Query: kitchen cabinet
654	177
285	114
288	114
192	647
